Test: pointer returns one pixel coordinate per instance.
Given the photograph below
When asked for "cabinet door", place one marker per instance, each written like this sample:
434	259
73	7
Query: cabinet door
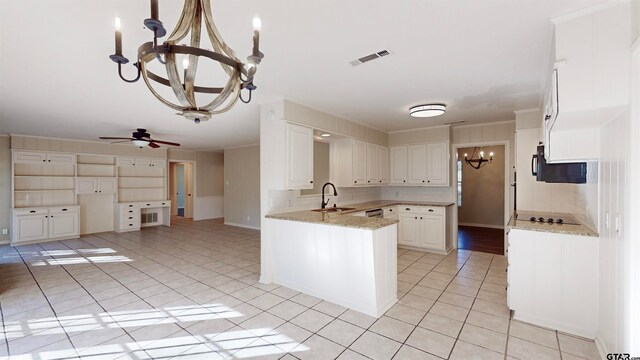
161	163
438	163
63	225
32	227
299	157
416	164
359	162
107	186
398	157
125	161
383	178
373	163
408	235
29	157
141	161
86	186
61	158
431	229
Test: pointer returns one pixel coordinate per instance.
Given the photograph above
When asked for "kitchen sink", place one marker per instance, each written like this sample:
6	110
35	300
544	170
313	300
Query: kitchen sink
333	209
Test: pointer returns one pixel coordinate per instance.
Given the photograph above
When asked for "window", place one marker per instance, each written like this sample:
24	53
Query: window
459	183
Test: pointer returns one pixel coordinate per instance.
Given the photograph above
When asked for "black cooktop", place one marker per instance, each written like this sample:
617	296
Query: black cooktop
547	218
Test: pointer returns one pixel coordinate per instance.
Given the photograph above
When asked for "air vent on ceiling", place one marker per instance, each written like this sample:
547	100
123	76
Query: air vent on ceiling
374	56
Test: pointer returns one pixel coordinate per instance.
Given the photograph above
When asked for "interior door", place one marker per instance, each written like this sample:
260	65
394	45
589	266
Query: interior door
173	188
188	185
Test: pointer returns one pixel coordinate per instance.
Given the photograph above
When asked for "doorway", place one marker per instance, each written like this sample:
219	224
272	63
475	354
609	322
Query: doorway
480	187
181	189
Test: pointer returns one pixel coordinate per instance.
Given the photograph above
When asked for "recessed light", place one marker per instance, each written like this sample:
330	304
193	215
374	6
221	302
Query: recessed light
428	110
325	134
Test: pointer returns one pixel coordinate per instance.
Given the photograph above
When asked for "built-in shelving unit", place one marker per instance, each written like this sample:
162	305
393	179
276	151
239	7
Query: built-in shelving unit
141	179
42	179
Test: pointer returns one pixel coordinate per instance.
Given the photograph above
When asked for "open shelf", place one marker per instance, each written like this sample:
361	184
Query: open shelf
42	190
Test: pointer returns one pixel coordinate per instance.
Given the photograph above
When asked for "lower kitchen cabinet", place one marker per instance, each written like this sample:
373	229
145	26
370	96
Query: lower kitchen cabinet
424	228
31	225
553	280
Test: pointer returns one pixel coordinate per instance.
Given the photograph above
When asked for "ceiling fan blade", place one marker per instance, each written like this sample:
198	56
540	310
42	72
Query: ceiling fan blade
153	145
114	138
121	141
165	142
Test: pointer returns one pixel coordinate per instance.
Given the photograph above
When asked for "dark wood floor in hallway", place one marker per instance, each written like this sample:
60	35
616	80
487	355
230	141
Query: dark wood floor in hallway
481	239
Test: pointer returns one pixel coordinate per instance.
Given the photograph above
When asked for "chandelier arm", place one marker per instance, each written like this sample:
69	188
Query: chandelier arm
154	92
176	82
184	23
231	104
232	84
243	100
190	71
137	65
214	35
155	48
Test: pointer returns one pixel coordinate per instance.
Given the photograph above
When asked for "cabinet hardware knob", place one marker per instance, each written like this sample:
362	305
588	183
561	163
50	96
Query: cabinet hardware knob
408	209
64	209
380	180
428	180
390	209
420	217
404	180
46	216
311	182
422	180
44	160
430	210
51	215
32	211
355	182
416	218
95	190
368	181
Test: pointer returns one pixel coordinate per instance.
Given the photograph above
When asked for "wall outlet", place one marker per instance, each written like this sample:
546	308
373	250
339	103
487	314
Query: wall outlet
5	231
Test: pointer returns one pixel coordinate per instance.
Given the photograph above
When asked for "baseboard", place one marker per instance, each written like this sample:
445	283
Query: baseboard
242	225
482	225
5	242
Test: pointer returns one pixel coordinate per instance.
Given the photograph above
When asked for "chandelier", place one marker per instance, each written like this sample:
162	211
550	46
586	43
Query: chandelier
476	161
194	13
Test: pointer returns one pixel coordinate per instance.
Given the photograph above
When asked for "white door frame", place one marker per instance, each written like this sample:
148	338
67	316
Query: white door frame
194	207
507	182
632	228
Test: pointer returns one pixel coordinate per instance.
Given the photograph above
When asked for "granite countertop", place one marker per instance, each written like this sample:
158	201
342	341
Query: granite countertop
585	228
345	220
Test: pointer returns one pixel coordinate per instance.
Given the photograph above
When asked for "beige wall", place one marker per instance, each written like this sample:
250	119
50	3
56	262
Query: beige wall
209	174
242	186
319	120
436	133
482	189
321	168
5	185
178	154
83	147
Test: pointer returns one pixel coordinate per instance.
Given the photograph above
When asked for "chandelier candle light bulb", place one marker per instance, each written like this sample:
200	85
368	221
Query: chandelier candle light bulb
154	10
118	37
257	25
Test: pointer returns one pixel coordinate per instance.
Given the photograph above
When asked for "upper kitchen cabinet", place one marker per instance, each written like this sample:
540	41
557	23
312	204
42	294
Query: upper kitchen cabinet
420	164
299	157
589	82
360	163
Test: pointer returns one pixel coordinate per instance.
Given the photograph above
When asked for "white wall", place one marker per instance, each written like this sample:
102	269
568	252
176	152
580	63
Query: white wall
242	186
5	186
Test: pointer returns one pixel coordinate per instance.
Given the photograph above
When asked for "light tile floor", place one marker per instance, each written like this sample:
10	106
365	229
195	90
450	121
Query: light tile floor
191	292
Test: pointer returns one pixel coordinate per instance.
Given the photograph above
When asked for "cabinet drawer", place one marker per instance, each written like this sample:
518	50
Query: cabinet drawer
163	203
426	210
127	218
129	225
149	204
64	209
30	211
128	206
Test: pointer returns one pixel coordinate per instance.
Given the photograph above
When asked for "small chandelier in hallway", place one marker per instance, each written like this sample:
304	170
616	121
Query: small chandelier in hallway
477	159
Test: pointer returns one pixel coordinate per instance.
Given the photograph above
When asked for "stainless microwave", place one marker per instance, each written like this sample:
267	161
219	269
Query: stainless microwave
571	173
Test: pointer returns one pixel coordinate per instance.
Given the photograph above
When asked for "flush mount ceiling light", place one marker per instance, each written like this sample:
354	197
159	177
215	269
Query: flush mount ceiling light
194	13
429	110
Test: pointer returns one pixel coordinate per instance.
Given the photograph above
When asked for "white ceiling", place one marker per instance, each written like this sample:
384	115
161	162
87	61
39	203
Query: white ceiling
484	59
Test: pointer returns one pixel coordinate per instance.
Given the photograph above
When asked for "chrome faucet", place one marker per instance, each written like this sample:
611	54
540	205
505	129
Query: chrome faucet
335	193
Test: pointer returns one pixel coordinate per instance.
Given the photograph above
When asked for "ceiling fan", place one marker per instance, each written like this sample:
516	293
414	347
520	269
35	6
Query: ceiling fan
140	138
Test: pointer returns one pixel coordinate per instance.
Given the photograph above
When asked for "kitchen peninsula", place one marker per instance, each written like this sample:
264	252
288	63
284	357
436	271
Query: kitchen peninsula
340	257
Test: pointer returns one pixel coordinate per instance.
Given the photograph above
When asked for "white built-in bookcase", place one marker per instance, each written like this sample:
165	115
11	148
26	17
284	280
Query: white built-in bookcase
141	179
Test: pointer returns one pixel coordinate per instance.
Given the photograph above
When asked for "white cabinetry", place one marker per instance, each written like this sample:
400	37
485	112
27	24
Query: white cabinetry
96	186
134	215
553	280
424	227
360	163
420	164
589	82
299	157
45	223
390	212
43	157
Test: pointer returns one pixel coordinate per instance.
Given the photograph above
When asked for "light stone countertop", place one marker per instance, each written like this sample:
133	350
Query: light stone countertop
345	220
585	228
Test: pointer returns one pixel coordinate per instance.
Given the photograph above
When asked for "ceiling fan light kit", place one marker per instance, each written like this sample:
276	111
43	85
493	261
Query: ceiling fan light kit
428	110
140	138
194	13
